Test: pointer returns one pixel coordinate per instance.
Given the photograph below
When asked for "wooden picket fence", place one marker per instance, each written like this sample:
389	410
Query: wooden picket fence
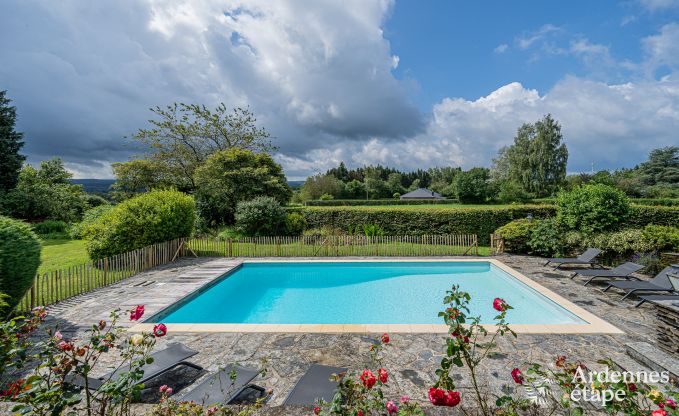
497	244
56	286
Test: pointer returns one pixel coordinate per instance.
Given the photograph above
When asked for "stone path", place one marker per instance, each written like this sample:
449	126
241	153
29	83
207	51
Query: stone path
412	358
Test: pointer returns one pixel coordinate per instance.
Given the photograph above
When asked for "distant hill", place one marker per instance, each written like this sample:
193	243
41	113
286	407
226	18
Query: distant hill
94	186
101	186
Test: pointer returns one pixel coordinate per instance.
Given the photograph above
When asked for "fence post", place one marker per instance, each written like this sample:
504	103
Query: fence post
105	270
230	247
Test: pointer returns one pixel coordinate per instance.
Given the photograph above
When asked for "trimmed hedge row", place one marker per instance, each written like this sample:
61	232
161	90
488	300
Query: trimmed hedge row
666	202
373	202
479	221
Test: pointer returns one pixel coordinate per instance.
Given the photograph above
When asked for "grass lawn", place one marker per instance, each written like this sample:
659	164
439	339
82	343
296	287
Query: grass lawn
59	254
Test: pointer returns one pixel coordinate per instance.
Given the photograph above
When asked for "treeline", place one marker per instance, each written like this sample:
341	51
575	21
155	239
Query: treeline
533	167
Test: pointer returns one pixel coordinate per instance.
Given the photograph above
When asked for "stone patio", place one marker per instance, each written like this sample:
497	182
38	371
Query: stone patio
412	358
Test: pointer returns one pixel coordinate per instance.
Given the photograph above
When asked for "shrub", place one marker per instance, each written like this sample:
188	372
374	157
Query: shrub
326	197
48	227
261	216
617	243
146	219
91	216
640	216
592	208
516	234
373	202
396	195
19	260
472	186
663	237
295	223
545	238
372	230
428	221
93	200
512	192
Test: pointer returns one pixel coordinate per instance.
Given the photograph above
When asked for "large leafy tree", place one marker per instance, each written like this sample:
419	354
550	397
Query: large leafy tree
184	136
231	176
537	159
472	186
662	167
10	144
141	175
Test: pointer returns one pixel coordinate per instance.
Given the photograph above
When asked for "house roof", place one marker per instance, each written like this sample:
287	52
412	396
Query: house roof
422	193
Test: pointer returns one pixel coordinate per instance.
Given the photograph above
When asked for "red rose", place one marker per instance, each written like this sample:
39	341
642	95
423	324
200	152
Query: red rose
385	338
452	398
368	378
517	376
65	346
382	375
500	305
359	413
561	361
632	387
437	397
137	313
659	412
159	330
317	410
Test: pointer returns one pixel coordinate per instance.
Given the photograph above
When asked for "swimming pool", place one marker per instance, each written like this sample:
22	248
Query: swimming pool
362	292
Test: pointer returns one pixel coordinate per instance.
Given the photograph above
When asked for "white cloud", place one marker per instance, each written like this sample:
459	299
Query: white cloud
656	5
527	40
501	48
662	49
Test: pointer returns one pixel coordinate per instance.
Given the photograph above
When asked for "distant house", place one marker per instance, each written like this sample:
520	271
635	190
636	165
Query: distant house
421	193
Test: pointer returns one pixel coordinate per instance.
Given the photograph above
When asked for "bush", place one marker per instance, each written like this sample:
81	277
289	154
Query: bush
516	234
618	243
48	227
427	221
663	237
93	200
512	192
546	239
19	260
90	217
146	219
295	223
640	216
261	216
472	186
373	202
592	208
326	197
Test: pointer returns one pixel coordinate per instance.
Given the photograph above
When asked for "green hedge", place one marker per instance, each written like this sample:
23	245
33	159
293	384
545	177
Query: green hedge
667	202
373	202
147	219
394	221
479	221
641	215
19	260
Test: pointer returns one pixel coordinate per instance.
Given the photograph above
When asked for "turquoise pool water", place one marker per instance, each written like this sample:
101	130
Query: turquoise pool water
360	293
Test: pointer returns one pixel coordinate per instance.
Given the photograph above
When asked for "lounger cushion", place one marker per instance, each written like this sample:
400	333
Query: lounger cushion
220	388
315	384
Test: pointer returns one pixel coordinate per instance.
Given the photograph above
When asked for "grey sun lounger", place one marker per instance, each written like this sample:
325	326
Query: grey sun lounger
221	388
314	385
650	298
585	258
163	361
623	271
660	283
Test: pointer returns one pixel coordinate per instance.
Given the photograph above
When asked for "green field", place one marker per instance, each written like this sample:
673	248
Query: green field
60	254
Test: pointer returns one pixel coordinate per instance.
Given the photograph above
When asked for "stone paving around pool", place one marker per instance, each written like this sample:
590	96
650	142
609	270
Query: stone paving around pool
411	360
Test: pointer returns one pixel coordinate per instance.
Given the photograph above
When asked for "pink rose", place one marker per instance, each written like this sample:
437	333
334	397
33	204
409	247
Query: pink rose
500	305
391	407
671	404
517	376
137	313
163	388
368	379
57	335
659	412
159	330
382	375
405	399
65	346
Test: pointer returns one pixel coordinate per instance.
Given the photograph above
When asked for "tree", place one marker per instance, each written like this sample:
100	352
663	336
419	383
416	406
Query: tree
318	185
140	175
394	183
234	175
45	193
10	144
537	159
184	136
662	167
472	186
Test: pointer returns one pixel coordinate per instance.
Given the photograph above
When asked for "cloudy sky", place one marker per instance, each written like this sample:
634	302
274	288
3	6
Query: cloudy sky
404	83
